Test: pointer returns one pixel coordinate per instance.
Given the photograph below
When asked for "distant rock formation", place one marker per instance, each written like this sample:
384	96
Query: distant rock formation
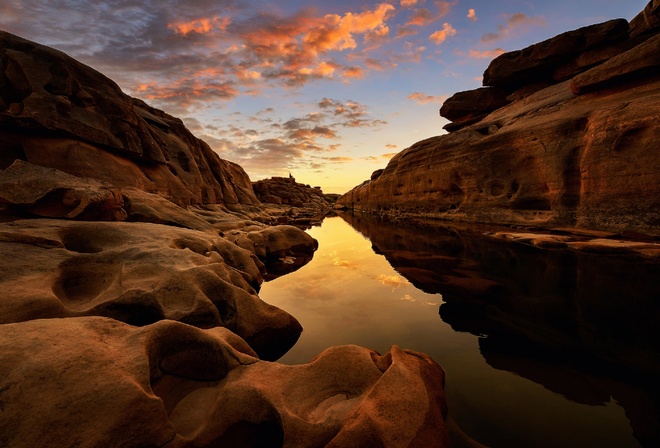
130	258
299	204
565	134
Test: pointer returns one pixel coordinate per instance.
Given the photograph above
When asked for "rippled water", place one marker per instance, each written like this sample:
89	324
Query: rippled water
541	348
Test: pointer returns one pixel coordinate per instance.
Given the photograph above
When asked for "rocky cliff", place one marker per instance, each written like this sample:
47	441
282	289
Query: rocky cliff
564	133
57	112
131	257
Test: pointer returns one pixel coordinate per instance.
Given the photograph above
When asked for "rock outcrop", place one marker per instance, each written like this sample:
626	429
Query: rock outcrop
131	257
572	150
58	113
292	202
94	381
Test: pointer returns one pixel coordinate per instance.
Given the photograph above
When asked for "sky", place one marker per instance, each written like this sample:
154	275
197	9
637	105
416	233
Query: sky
328	91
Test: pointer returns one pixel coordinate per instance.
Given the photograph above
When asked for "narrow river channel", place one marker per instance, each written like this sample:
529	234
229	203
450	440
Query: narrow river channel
500	394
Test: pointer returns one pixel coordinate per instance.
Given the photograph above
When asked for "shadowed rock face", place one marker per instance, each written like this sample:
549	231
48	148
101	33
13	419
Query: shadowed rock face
580	324
59	113
173	385
578	151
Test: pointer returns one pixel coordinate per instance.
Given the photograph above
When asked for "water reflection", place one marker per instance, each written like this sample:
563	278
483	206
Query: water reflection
570	340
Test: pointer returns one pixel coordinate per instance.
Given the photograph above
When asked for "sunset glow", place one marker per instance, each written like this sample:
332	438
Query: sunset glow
327	91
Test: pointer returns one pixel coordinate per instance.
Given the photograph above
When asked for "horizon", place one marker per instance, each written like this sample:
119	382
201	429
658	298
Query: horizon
326	92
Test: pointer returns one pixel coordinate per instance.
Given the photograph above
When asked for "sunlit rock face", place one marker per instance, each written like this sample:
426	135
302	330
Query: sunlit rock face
59	113
95	381
575	147
137	273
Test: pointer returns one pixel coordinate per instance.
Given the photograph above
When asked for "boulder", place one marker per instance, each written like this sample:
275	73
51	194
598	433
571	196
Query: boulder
647	21
59	113
464	106
137	273
94	381
537	62
47	192
635	64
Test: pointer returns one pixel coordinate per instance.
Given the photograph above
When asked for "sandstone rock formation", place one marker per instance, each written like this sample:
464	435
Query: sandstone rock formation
94	382
292	202
130	258
576	150
56	112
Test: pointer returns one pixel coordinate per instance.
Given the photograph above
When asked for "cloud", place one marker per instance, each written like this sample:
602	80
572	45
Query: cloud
444	7
487	54
440	36
393	281
514	22
389	155
421	17
201	26
191	52
472	15
277	147
421	98
408	3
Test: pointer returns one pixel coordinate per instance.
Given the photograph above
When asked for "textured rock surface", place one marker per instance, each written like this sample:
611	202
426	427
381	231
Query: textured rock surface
133	319
549	158
46	192
292	202
536	62
137	273
173	385
58	113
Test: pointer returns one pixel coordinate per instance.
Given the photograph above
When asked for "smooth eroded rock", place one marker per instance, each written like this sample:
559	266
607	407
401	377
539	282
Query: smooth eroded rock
137	273
173	385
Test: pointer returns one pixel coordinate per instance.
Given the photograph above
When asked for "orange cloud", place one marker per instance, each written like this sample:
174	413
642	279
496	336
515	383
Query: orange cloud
444	7
420	17
441	35
472	15
201	26
421	98
356	72
336	33
514	22
487	54
408	3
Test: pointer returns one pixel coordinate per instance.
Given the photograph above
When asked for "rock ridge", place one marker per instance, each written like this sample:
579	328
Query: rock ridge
578	150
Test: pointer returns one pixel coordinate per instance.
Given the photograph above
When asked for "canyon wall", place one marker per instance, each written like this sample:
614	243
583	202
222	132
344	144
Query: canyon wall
565	134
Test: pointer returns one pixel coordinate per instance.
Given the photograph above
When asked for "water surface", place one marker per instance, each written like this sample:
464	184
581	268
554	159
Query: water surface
566	379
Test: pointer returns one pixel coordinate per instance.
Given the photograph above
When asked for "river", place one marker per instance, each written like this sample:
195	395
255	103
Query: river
542	348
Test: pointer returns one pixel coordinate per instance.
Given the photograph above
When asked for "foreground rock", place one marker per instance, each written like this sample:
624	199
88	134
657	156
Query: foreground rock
579	153
94	381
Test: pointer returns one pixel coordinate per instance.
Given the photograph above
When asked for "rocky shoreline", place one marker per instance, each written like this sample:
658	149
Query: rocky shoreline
132	255
131	259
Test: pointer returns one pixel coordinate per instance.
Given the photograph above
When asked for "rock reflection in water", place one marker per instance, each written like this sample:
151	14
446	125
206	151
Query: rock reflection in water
580	324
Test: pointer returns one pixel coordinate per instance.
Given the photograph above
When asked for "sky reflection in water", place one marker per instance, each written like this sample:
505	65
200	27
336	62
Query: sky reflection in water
348	294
